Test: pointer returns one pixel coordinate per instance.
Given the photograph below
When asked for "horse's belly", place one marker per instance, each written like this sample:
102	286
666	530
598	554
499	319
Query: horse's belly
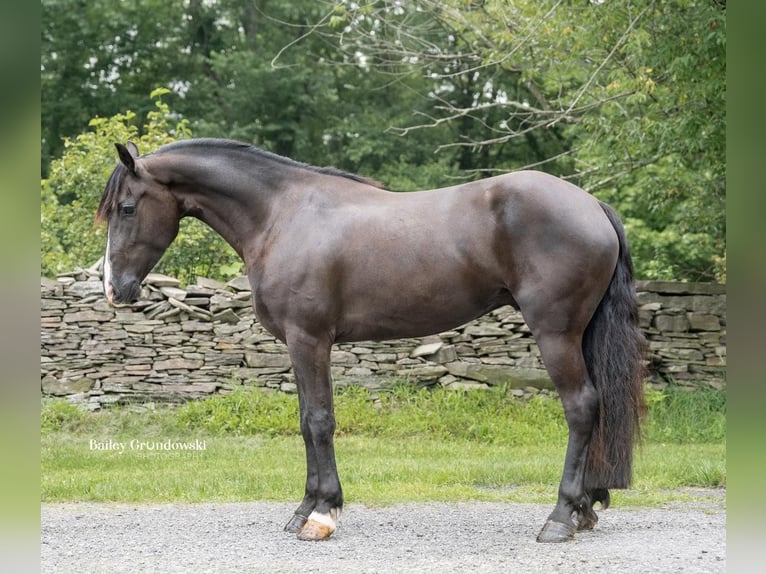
394	316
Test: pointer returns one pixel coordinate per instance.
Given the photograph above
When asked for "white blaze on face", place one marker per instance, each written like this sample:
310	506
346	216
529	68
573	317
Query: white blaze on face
108	290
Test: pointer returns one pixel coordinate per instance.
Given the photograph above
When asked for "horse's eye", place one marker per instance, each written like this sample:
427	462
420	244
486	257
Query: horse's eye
128	209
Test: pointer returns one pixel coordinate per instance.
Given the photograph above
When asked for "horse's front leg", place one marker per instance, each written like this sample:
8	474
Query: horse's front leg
317	516
301	515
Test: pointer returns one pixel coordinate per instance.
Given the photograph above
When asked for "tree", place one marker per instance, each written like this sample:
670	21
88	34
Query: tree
659	151
102	57
623	97
626	98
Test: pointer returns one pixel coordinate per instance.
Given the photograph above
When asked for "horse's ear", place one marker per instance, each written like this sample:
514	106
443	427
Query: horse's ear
133	149
128	155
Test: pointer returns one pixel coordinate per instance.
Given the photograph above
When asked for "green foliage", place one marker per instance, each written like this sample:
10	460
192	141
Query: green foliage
686	416
669	253
60	415
625	98
71	194
242	413
103	57
657	150
493	416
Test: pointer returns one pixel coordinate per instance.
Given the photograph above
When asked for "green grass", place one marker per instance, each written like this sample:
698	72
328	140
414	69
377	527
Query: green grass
408	445
492	416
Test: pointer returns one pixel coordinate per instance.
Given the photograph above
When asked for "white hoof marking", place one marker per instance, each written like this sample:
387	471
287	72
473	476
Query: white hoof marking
330	519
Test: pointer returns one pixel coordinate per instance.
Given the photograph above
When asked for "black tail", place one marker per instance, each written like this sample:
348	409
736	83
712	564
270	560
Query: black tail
614	349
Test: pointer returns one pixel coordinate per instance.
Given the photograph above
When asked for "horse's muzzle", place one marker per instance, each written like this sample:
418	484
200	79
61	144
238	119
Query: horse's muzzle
122	295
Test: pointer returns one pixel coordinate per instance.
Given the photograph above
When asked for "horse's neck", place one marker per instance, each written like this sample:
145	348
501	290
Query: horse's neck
231	195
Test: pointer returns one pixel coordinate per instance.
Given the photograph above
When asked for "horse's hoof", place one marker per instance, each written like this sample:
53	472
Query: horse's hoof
556	532
296	523
587	519
318	527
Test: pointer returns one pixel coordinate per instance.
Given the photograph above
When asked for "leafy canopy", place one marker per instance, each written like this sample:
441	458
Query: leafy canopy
623	97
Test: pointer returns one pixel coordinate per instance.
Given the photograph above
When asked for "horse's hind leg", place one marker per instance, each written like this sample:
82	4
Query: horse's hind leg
316	517
562	355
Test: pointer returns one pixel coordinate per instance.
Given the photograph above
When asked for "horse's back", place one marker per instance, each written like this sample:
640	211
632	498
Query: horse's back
538	197
528	215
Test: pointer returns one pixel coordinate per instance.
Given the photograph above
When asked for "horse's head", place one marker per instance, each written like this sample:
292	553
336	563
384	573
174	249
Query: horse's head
142	221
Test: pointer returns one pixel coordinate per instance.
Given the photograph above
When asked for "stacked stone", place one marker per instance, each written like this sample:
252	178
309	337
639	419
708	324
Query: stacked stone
497	349
685	324
170	346
175	344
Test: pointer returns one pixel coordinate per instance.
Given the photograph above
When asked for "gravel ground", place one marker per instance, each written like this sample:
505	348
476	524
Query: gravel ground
423	538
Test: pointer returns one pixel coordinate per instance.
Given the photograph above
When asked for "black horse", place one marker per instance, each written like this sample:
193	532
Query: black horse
332	257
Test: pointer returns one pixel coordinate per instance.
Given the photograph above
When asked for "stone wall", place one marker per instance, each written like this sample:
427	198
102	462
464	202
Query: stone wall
176	344
685	324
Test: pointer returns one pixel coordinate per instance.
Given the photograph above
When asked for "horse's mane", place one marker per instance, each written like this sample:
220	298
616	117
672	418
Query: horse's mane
202	146
199	145
109	199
